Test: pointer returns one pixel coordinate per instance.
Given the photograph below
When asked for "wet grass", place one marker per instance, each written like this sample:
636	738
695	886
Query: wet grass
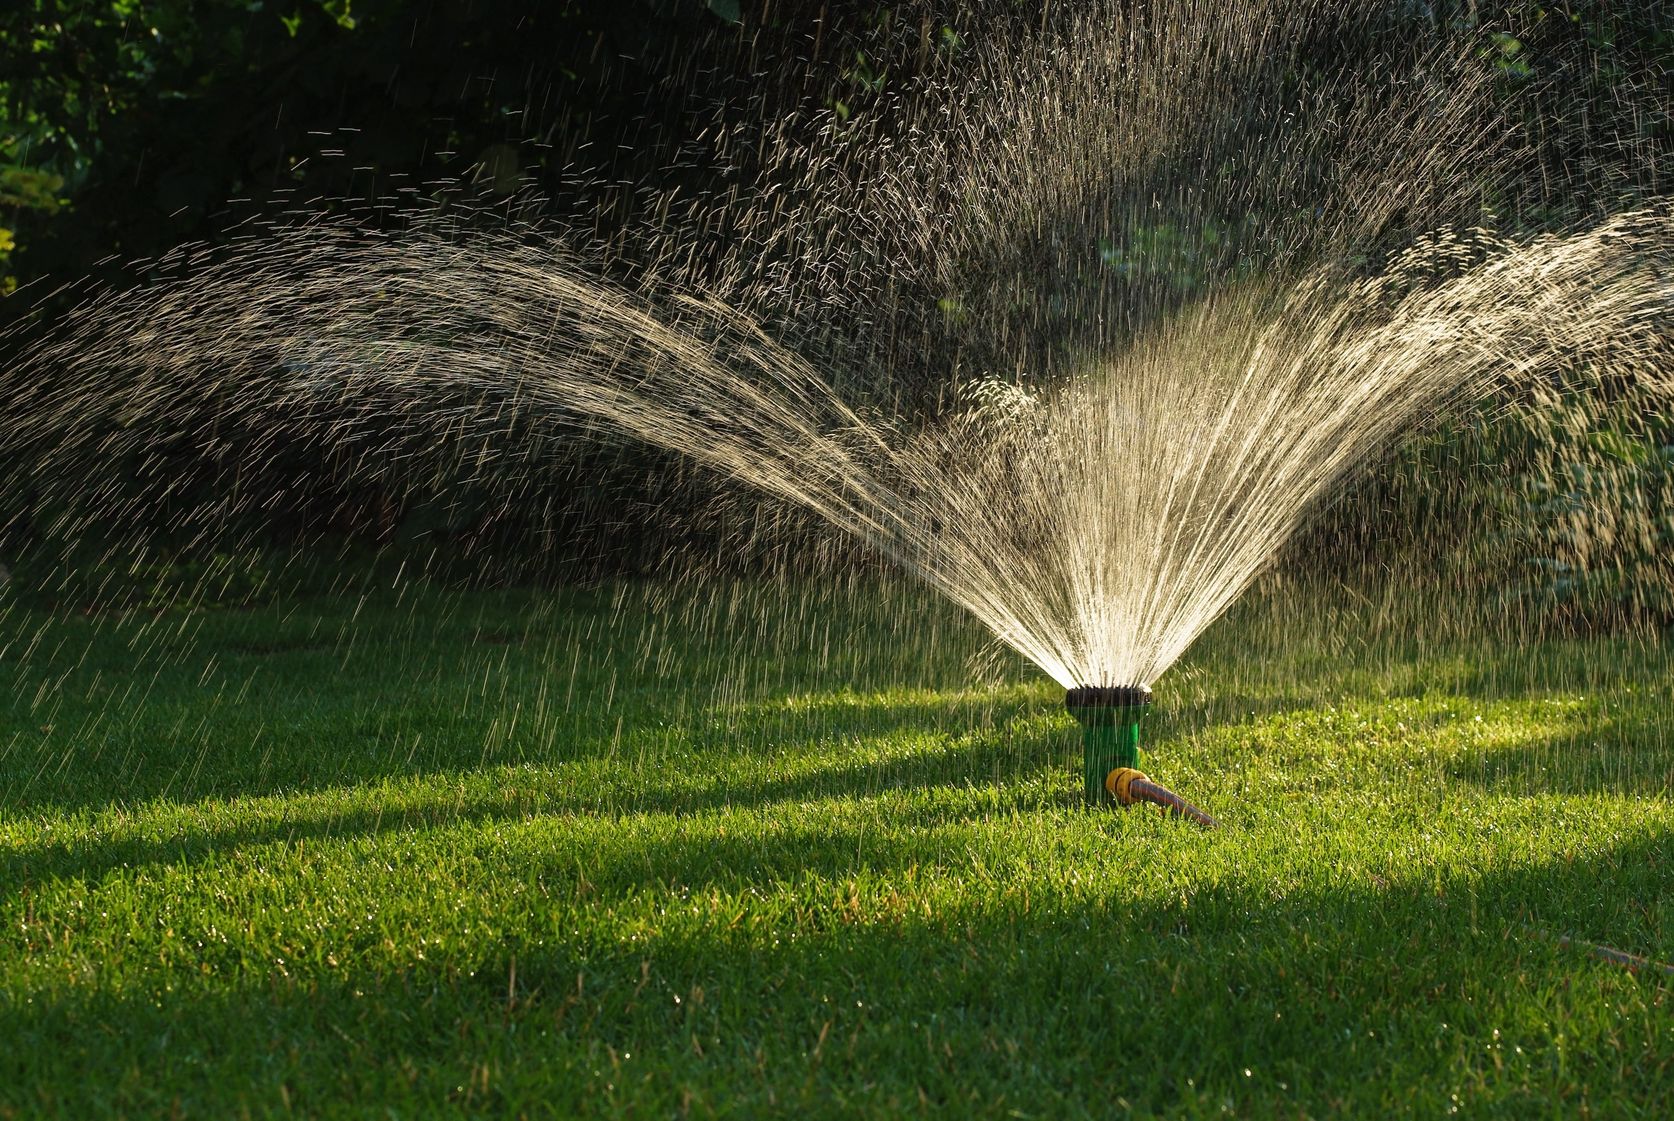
740	850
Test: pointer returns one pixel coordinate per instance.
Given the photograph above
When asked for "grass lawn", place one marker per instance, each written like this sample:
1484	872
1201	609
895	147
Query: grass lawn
656	852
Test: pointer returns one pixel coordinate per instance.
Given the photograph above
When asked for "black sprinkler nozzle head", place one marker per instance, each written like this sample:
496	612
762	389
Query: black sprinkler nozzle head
1107	696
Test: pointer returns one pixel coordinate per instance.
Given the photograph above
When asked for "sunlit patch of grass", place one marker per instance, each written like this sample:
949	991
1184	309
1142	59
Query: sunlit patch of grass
653	858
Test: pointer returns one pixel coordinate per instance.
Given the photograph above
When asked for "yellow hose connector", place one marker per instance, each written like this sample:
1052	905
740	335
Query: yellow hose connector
1119	784
1128	786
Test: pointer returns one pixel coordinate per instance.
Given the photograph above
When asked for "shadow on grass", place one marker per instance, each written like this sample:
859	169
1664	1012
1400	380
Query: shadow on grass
210	747
228	710
1360	999
508	795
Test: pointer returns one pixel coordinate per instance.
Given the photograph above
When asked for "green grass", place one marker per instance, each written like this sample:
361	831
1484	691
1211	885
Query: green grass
735	850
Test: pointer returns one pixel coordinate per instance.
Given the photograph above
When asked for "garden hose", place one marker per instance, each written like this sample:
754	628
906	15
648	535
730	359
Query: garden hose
1127	786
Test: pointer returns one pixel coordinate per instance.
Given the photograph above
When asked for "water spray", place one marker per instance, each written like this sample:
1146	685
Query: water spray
1096	517
1109	718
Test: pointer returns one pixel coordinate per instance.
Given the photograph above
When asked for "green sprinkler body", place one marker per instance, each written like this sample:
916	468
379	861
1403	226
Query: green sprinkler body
1109	718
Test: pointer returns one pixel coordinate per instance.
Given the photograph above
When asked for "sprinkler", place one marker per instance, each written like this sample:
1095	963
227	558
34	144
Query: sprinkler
1109	718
